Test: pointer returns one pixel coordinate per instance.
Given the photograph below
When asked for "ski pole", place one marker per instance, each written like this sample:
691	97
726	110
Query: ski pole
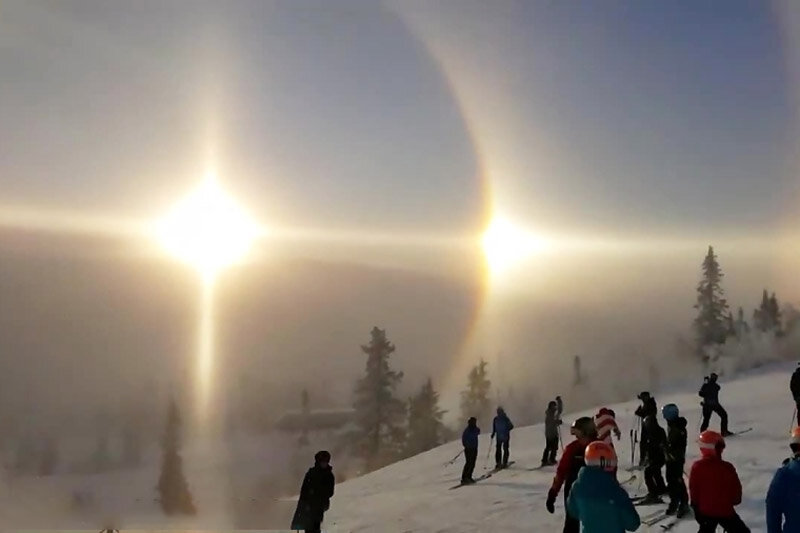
633	448
453	460
488	453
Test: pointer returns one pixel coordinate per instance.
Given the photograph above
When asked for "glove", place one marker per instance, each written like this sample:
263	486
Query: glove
551	501
490	438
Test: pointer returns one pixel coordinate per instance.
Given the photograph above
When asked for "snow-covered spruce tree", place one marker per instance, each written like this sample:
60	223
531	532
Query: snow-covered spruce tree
475	399
379	414
710	325
768	317
173	490
425	427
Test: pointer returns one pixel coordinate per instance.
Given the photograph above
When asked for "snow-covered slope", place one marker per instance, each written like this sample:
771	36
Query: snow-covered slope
413	495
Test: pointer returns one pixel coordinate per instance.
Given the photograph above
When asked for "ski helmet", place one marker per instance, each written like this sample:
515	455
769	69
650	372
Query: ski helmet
670	412
322	456
711	443
599	454
583	427
794	443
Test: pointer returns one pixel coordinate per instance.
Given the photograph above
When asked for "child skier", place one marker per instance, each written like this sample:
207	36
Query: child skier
782	495
568	467
715	488
501	427
315	495
710	394
655	460
469	439
596	500
676	458
551	423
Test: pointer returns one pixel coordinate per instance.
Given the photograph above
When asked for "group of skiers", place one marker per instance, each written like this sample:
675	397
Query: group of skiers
501	428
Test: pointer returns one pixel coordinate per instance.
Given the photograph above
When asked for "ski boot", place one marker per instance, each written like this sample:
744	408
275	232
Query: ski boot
650	499
672	509
683	511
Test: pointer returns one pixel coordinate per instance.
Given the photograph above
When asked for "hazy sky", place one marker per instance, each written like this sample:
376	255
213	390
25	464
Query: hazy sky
658	121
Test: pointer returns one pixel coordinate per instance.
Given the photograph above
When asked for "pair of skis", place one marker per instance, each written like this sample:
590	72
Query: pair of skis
487	475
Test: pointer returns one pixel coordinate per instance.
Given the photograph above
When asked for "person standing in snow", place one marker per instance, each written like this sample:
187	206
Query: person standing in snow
606	423
654	460
569	466
676	458
710	394
783	493
648	408
501	428
794	387
597	500
469	439
551	423
315	495
715	488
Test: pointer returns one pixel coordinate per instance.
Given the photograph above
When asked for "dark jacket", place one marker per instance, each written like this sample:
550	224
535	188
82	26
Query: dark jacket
501	427
315	497
782	498
710	393
648	408
656	445
794	384
469	439
676	441
551	423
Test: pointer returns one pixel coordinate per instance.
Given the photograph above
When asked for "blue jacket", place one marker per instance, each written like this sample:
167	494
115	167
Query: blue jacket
600	504
469	439
501	427
782	499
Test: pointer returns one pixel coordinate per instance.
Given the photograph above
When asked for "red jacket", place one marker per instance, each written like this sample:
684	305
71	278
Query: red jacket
569	465
714	487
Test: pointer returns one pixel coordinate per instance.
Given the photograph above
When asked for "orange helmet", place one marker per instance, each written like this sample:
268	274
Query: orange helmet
794	443
711	443
601	455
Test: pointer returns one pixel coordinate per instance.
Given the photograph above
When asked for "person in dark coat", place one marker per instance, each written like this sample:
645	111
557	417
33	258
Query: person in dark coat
676	459
551	422
501	428
315	495
654	459
710	394
469	439
648	408
794	386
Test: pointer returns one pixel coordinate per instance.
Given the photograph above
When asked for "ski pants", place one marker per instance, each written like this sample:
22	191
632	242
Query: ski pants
723	417
642	446
675	485
654	480
471	455
731	524
501	452
550	450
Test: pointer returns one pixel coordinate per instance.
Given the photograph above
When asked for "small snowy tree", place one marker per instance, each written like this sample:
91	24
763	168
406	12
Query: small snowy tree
712	309
172	487
475	399
379	414
768	317
425	427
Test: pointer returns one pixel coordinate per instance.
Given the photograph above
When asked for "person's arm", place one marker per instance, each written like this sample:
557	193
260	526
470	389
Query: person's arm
694	486
627	512
775	503
562	470
332	485
735	486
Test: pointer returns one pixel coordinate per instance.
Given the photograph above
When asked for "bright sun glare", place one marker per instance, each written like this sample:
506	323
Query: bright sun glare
207	230
507	245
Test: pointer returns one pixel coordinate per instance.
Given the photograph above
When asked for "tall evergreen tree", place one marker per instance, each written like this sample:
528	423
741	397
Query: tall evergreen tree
776	318
172	487
475	399
379	414
712	308
425	427
761	316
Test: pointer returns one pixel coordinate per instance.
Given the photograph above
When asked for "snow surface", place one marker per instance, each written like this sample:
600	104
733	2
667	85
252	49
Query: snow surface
413	495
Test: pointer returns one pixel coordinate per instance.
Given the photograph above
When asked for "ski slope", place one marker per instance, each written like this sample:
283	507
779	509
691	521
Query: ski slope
413	496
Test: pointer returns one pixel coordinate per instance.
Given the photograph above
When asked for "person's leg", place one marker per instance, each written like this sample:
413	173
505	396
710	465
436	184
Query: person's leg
672	485
471	455
649	481
797	406
546	452
707	525
553	449
723	418
498	453
734	524
661	487
642	447
506	444
706	418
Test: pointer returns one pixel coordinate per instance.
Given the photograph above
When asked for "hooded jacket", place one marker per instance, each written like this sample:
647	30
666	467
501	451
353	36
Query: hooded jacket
714	487
469	439
502	426
676	440
600	504
710	393
783	497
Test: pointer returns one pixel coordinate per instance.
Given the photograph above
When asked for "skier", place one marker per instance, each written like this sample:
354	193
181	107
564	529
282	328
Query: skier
315	495
596	500
648	408
551	423
783	491
676	458
605	421
654	460
568	467
710	394
469	439
794	386
501	427
715	488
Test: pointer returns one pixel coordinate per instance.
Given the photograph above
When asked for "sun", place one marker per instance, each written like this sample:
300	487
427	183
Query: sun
507	245
207	230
